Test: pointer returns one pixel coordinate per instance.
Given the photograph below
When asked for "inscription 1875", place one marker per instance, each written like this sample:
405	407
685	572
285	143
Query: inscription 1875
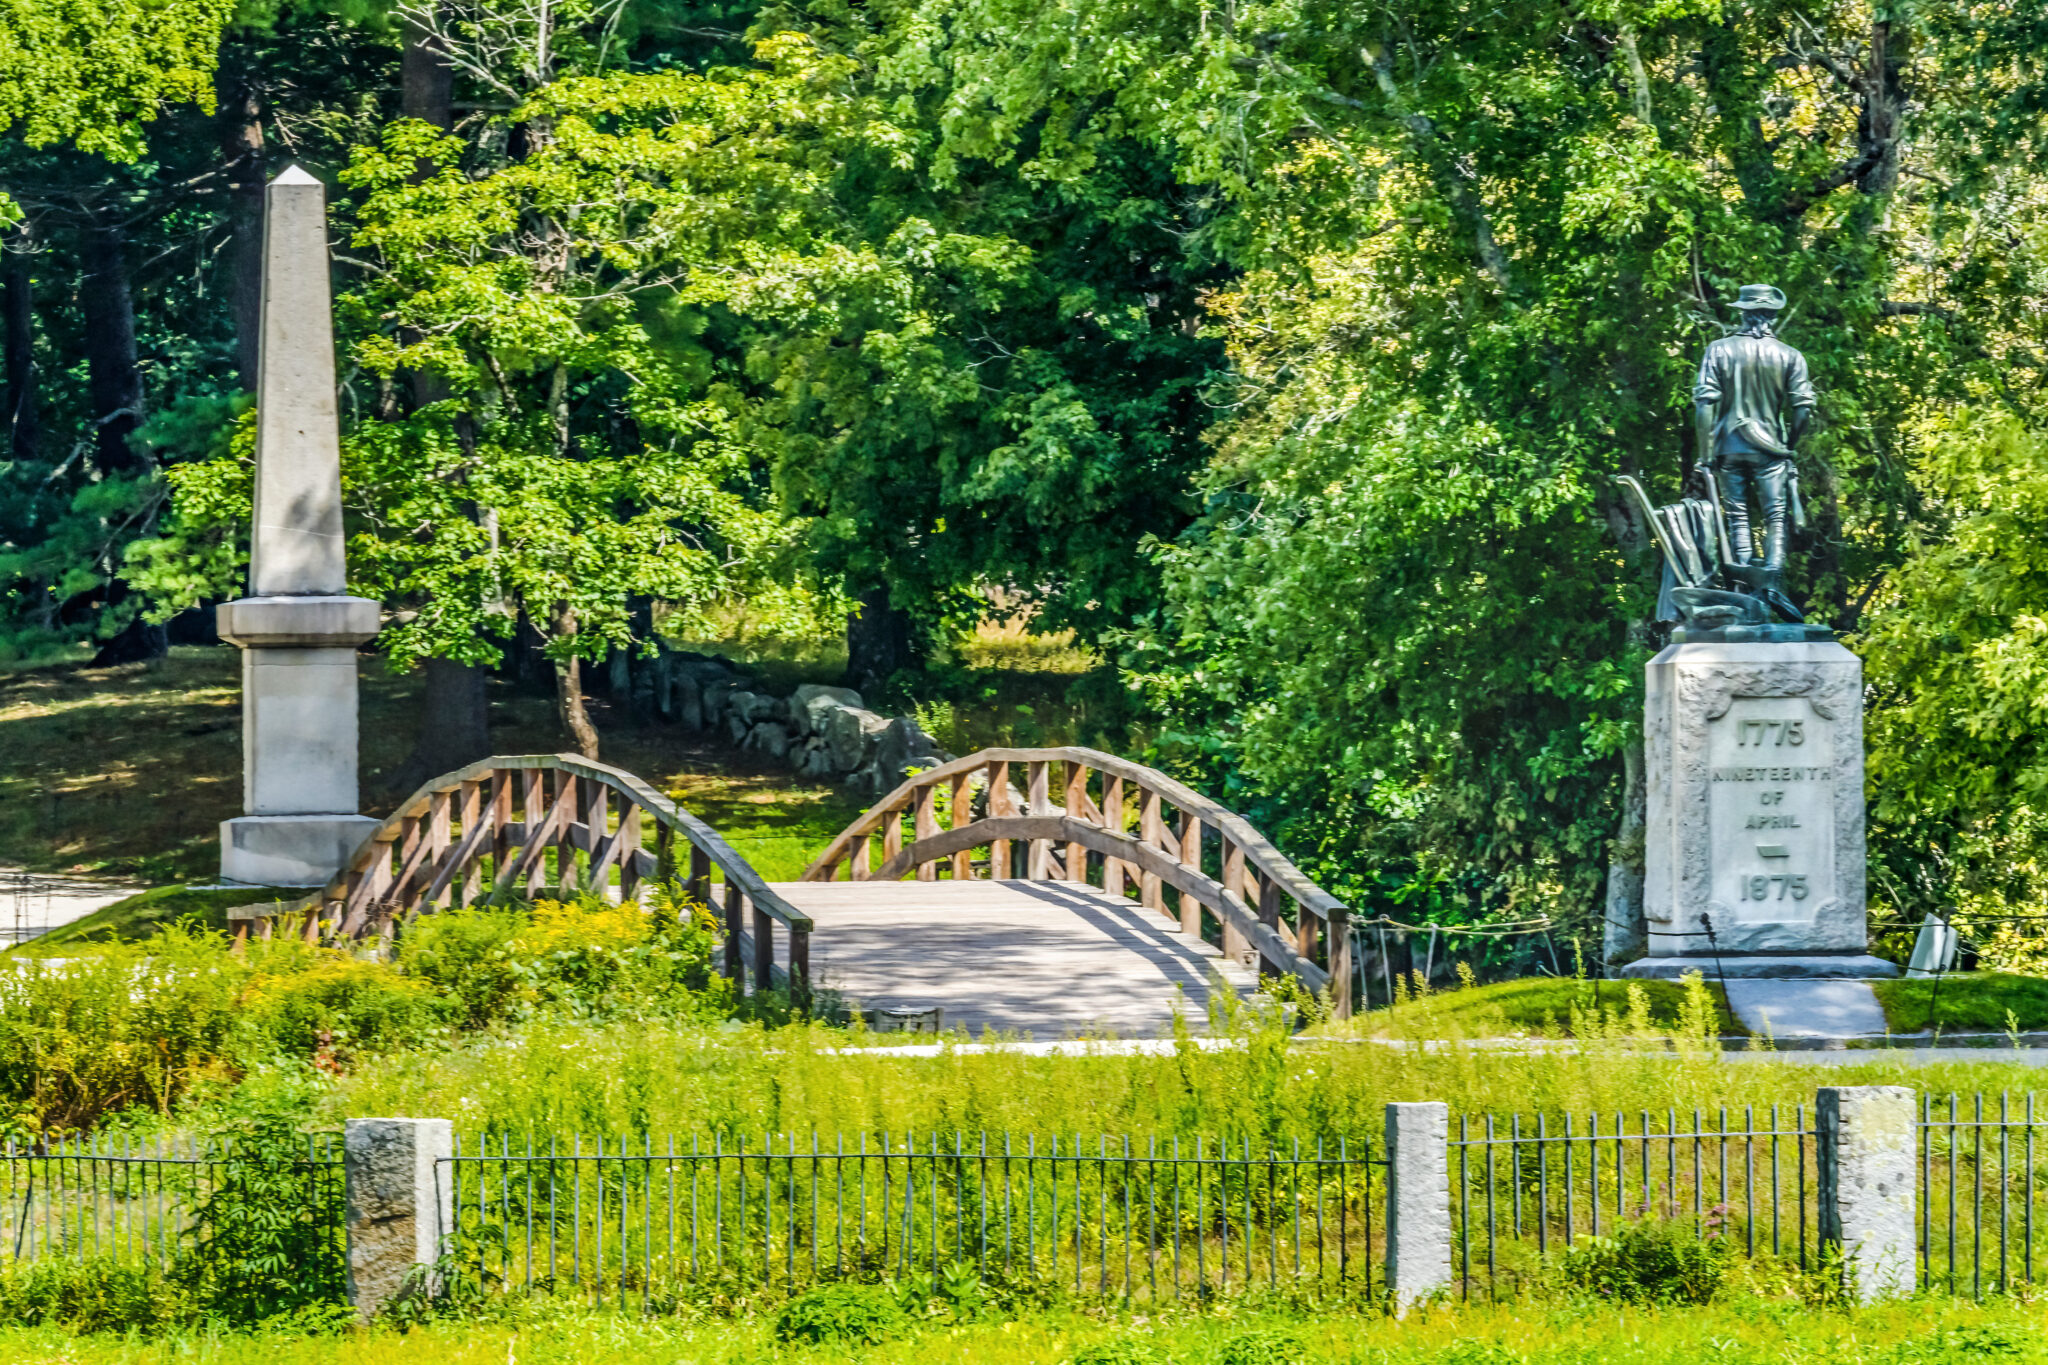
1771	808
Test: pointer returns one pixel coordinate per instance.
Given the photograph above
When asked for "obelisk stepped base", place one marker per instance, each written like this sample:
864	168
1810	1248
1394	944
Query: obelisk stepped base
289	850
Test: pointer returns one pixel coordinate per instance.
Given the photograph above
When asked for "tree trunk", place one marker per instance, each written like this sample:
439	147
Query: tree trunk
18	336
241	148
426	78
454	723
877	643
138	642
113	379
1880	124
1625	936
427	93
569	687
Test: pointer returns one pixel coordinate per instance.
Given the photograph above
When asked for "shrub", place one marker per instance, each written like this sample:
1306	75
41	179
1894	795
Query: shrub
266	1237
325	1002
116	1026
466	956
586	957
1969	1342
1119	1351
1651	1262
856	1314
97	1294
1267	1346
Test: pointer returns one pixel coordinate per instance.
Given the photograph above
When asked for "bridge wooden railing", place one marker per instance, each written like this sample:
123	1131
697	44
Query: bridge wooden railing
1120	825
489	830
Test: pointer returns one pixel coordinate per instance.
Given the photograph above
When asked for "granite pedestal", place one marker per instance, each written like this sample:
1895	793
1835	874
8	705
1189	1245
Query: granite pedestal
1754	862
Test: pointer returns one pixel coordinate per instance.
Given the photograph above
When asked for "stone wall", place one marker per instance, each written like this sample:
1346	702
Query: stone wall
822	733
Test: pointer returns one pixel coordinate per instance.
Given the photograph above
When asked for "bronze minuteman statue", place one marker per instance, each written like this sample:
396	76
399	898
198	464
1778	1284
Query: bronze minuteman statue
1751	404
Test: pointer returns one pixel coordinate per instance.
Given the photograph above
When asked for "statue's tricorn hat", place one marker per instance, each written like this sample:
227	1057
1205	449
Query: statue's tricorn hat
1759	298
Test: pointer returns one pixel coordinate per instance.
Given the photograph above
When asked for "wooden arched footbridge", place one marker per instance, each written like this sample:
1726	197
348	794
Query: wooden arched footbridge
1050	890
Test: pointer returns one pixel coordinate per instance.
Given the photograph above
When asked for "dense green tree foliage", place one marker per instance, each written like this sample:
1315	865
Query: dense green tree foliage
92	73
1289	350
1483	250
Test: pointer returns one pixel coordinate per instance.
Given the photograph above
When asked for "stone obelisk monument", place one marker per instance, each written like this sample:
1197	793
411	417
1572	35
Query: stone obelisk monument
1752	726
297	629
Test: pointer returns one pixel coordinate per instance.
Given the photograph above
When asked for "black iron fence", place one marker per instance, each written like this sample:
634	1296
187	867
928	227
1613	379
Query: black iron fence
1525	1187
1979	1186
1115	1216
1151	1219
125	1197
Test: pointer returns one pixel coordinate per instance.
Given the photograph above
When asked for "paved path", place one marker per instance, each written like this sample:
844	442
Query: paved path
1806	1009
1046	958
33	903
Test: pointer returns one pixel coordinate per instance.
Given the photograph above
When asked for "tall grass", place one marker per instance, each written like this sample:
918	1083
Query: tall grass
557	1075
132	1029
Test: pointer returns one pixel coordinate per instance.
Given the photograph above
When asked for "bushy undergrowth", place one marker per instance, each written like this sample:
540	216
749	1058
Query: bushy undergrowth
98	1294
851	1314
1265	1346
141	1026
1653	1261
263	1245
267	1237
560	1075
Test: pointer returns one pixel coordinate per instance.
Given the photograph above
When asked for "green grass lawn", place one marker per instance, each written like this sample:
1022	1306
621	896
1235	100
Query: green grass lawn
128	772
1540	1006
1970	1002
145	914
1742	1331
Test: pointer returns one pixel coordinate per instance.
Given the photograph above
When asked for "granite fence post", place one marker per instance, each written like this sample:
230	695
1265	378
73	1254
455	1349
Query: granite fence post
1865	1140
1418	1202
401	1205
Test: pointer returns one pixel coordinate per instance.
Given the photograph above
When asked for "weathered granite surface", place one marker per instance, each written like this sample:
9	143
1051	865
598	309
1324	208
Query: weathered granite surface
1754	758
401	1204
1867	1185
1418	1201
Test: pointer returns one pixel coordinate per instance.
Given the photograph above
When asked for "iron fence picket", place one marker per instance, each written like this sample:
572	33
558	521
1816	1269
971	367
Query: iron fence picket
1138	1221
1538	1185
134	1199
1110	1221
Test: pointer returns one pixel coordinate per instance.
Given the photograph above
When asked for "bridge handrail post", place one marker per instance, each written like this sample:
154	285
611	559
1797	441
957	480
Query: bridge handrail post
1151	830
800	970
475	816
1190	852
1113	821
892	834
1077	804
924	824
1037	801
700	872
999	807
960	810
1338	929
764	947
734	960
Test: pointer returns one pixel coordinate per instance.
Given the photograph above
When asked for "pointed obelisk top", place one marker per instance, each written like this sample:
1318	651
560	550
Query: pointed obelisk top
296	542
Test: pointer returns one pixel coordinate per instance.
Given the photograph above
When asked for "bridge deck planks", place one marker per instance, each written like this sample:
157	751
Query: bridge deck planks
1050	959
